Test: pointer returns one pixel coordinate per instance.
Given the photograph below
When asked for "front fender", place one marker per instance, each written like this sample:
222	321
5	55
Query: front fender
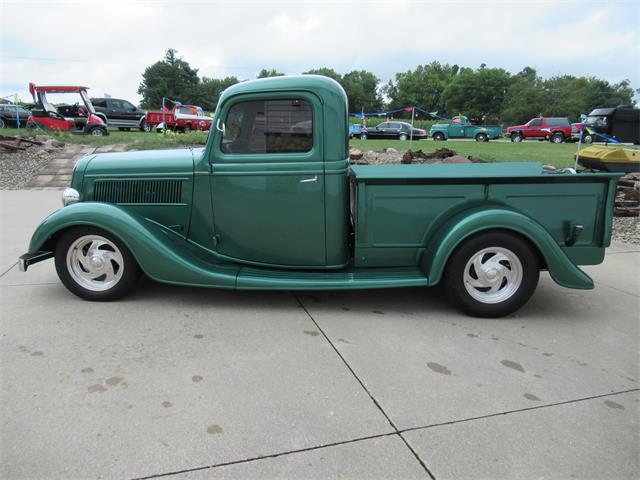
162	254
442	243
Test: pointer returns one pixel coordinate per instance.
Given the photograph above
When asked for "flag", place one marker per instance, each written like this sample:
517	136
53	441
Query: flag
408	109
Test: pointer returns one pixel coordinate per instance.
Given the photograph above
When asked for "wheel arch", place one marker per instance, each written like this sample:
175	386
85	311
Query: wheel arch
441	244
161	253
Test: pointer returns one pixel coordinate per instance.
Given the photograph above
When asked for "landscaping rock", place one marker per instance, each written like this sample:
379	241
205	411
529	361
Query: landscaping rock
355	154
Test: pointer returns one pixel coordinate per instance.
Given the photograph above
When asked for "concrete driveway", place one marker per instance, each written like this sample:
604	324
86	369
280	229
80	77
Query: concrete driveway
197	383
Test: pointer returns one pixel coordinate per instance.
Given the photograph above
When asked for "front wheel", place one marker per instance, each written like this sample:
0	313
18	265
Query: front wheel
2	125
363	136
492	274
97	132
438	136
516	138
186	129
95	265
403	136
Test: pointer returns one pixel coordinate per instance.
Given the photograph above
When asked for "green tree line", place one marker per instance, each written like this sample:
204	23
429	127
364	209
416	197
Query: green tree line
485	94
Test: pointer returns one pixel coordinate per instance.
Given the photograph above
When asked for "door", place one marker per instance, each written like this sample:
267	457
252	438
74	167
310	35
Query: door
394	130
267	180
456	128
534	129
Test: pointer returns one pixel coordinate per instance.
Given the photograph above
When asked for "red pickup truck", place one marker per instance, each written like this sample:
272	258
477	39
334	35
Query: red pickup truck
183	118
554	129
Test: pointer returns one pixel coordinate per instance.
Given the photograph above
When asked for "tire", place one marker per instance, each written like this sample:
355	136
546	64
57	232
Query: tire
97	132
514	277
516	138
587	139
186	129
557	138
403	137
2	124
363	136
76	270
482	137
145	127
438	136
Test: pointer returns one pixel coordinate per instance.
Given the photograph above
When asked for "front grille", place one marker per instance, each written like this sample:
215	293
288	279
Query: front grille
138	191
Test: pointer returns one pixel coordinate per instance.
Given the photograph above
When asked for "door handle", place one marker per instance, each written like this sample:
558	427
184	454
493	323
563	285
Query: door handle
310	180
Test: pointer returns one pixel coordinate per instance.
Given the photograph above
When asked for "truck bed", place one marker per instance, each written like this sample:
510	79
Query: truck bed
397	208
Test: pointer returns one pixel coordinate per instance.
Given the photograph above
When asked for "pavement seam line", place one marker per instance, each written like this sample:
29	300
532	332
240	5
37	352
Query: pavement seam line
519	410
373	399
8	270
266	457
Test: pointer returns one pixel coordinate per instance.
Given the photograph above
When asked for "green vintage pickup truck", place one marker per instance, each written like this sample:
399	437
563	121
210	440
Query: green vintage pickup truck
460	127
272	203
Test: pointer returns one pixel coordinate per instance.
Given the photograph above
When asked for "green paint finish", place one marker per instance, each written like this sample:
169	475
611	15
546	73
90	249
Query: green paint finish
208	218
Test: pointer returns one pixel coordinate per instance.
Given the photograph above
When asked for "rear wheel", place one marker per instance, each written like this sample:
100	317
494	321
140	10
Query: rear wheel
492	274
363	136
186	128
587	138
438	136
557	138
482	137
95	265
2	124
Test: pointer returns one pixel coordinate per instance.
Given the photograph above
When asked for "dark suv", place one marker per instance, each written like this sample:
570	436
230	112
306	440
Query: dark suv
388	130
120	113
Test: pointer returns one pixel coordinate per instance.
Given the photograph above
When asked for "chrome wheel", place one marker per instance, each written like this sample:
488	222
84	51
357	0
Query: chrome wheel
95	263
493	275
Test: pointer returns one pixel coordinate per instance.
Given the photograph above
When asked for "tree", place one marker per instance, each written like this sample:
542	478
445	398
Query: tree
264	73
171	77
362	91
478	94
210	89
325	72
525	98
423	87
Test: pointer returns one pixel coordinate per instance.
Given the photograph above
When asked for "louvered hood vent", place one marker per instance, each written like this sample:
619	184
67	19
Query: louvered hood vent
138	191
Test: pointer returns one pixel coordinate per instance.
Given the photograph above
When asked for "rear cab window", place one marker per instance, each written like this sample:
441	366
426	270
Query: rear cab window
268	126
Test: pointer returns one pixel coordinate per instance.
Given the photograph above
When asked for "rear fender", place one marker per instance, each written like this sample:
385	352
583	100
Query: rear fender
162	254
442	243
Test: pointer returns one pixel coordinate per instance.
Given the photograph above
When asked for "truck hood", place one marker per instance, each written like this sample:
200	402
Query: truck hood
148	162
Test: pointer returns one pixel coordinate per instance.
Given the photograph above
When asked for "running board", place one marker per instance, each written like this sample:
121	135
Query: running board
251	278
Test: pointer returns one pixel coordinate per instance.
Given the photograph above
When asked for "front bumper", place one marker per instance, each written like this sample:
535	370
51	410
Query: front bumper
30	258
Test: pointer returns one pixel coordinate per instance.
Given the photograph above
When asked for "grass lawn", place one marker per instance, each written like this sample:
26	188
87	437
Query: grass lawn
561	155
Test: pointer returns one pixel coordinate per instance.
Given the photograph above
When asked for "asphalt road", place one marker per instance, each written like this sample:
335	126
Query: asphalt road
197	383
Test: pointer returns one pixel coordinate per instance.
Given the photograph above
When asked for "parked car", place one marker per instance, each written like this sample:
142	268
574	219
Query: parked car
393	130
621	123
460	127
273	206
355	129
554	129
182	117
120	113
11	115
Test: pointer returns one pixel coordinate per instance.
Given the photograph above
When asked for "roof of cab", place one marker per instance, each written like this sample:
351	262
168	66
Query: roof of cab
324	87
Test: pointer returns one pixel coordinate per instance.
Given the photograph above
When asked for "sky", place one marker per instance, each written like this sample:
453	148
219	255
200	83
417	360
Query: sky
106	45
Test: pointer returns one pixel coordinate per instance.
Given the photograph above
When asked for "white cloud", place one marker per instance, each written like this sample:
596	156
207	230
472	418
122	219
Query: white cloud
107	45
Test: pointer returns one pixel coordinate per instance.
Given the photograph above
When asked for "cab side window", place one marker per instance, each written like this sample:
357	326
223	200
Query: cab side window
536	123
269	126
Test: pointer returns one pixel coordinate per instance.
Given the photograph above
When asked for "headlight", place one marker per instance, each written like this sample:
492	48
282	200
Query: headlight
69	196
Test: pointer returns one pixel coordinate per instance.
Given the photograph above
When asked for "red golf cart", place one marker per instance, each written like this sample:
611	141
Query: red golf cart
77	118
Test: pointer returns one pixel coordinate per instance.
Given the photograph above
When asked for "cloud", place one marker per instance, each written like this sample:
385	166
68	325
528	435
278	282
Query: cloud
107	45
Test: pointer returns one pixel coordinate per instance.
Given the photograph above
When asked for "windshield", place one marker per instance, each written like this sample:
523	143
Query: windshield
596	121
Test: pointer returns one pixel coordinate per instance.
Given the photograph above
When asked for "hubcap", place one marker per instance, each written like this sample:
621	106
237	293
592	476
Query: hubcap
95	263
493	275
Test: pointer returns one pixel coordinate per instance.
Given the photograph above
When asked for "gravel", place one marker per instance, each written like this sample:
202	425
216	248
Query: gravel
626	230
18	168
